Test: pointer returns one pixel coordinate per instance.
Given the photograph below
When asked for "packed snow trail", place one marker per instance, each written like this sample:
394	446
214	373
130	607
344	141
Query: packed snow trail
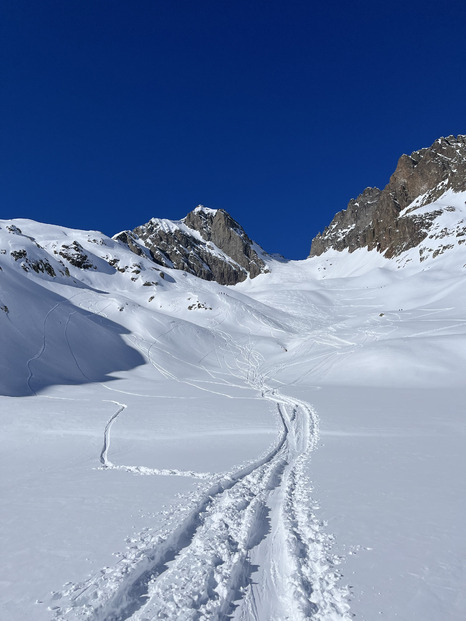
234	495
204	568
249	548
297	575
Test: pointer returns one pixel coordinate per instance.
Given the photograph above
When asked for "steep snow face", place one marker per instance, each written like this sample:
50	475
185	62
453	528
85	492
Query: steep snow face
290	446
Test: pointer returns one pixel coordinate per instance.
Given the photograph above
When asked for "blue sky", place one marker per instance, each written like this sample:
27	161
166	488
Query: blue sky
112	112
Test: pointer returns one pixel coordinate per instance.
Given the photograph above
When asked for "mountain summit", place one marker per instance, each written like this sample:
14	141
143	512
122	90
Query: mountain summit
394	219
208	243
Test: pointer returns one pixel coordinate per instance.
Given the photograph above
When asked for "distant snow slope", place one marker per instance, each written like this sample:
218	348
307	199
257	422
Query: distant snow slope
288	448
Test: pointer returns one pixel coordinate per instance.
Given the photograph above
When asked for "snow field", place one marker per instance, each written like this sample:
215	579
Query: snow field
203	566
291	449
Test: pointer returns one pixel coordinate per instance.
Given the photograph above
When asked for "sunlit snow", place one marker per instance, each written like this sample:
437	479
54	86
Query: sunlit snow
288	448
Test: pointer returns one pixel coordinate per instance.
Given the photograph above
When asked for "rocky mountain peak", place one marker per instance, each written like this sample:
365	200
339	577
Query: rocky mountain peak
208	222
207	242
423	171
379	219
205	209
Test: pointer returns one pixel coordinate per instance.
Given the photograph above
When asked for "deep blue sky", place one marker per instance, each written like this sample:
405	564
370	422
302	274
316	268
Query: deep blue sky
114	111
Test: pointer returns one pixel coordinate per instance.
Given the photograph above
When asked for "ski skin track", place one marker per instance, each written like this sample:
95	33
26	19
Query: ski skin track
135	595
118	610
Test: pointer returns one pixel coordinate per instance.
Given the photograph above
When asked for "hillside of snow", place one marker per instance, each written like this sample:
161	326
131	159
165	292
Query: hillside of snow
291	447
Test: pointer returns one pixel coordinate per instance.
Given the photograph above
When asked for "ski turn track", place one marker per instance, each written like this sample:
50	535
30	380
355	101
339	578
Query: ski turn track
251	548
143	470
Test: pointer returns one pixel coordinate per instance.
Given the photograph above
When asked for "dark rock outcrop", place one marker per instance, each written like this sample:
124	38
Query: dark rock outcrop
75	254
373	220
207	243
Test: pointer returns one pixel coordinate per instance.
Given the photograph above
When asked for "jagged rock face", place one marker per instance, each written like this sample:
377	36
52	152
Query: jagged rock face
220	228
207	243
373	220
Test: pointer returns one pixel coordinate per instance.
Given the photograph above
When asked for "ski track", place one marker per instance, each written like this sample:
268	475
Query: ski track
250	536
104	453
143	470
41	350
43	347
106	463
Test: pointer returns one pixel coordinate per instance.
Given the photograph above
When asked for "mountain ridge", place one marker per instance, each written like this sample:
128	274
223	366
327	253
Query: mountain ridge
376	219
420	214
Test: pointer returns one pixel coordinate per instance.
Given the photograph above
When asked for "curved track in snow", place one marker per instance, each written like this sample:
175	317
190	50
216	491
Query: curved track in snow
143	470
250	548
41	350
104	453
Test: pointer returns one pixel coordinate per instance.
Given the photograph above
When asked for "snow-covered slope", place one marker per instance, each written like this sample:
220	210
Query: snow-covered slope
290	447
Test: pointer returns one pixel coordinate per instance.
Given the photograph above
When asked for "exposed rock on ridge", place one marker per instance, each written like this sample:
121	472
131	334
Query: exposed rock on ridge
374	220
207	243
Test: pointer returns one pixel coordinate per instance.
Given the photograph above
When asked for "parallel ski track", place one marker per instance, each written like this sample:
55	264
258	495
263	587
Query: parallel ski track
137	588
203	569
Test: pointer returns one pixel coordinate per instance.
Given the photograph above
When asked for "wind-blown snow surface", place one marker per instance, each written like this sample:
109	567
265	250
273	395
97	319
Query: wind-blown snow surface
288	448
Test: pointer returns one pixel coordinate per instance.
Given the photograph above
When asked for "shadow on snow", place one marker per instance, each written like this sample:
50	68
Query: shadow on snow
53	342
